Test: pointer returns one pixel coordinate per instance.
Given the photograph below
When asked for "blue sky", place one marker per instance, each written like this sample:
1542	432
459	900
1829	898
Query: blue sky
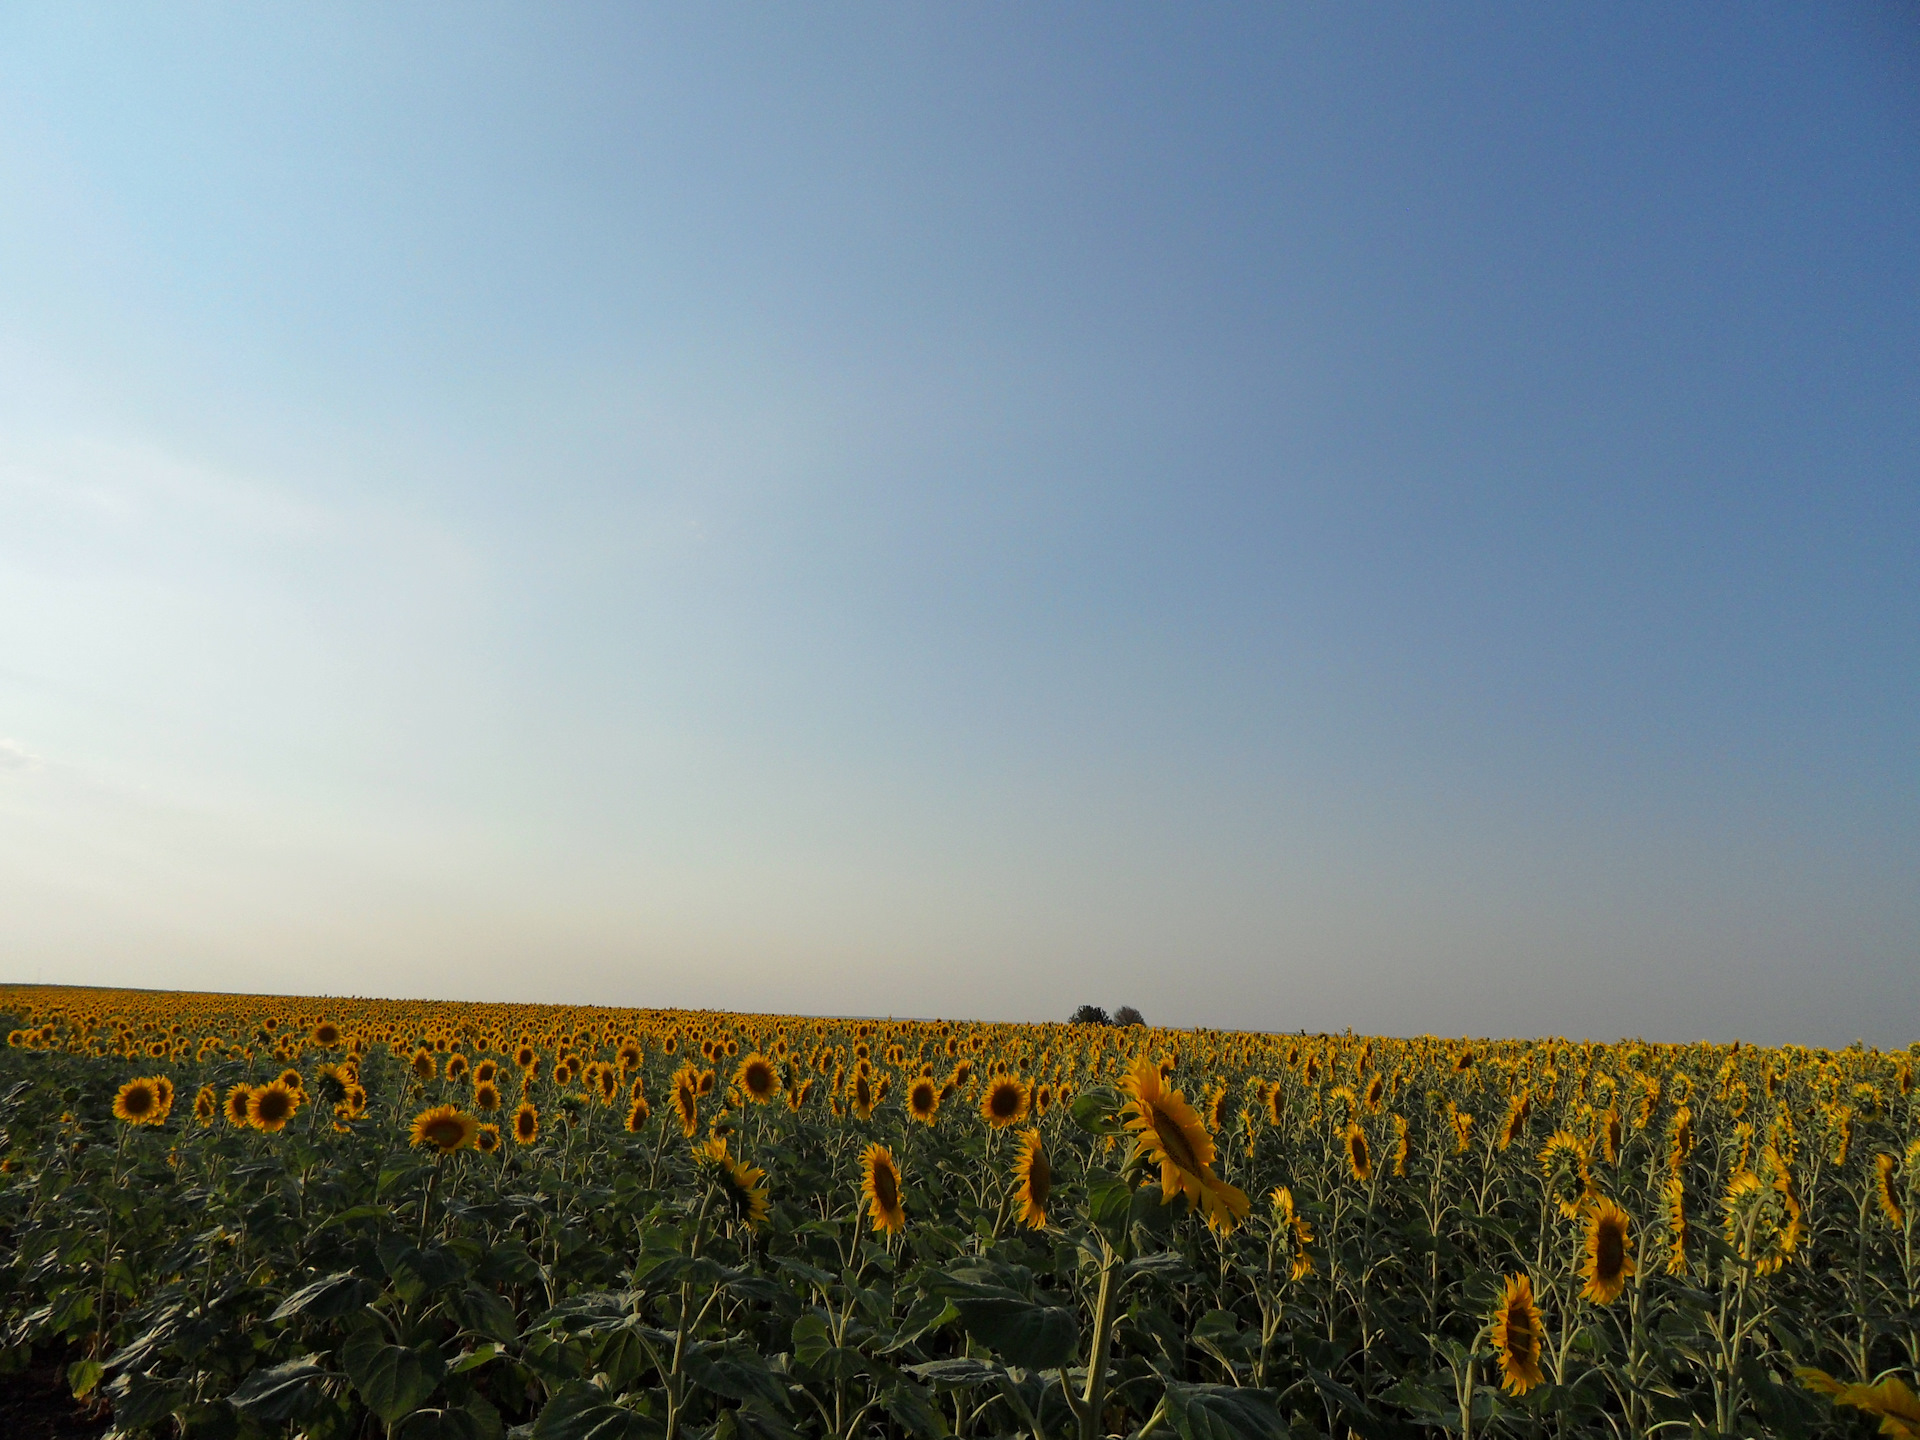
1393	517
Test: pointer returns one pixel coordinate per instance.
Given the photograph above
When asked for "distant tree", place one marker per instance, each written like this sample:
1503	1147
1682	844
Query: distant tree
1127	1015
1090	1015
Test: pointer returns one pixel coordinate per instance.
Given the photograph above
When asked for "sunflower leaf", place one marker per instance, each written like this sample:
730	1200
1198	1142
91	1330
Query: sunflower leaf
326	1299
393	1380
1096	1110
1224	1412
578	1411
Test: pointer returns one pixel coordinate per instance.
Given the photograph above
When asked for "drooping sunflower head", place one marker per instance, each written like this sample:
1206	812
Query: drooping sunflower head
206	1105
1518	1109
757	1078
1563	1164
1608	1254
1034	1179
526	1124
271	1106
1674	1194
881	1187
1517	1335
487	1139
1886	1190
138	1103
743	1185
1004	1103
638	1113
923	1100
1679	1138
443	1129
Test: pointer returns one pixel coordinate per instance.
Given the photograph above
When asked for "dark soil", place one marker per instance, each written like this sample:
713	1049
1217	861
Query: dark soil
35	1403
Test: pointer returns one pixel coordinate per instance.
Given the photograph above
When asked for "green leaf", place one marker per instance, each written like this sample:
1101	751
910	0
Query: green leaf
417	1272
960	1373
82	1376
328	1298
685	1270
811	1340
440	1425
474	1359
812	1274
1030	1335
736	1371
753	1421
1096	1110
392	1380
909	1405
281	1392
1109	1202
1224	1412
580	1412
481	1312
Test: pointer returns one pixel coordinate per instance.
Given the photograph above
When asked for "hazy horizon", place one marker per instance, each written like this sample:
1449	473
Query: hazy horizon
1387	518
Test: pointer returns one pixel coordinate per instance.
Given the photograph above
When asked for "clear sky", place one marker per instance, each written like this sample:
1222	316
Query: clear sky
1403	518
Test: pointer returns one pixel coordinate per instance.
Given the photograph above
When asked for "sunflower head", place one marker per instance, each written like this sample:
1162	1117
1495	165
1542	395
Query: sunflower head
239	1103
1359	1156
138	1103
757	1078
1563	1164
1886	1190
1517	1336
1608	1252
1034	1180
271	1106
1005	1103
206	1105
443	1129
526	1124
881	1188
486	1139
743	1185
923	1100
638	1113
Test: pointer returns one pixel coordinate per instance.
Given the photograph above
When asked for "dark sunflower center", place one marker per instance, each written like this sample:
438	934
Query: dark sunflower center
886	1188
1039	1178
1173	1140
445	1133
1520	1339
1609	1251
138	1102
1006	1102
275	1106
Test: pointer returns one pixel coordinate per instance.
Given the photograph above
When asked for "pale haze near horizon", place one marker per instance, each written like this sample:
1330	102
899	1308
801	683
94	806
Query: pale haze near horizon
1377	517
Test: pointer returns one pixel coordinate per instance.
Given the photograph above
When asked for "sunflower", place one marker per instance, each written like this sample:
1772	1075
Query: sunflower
206	1105
1675	1195
163	1087
862	1096
1679	1138
526	1057
456	1066
486	1073
1764	1220
1359	1157
638	1114
923	1100
326	1035
1518	1109
443	1129
757	1078
1462	1131
1168	1132
1896	1406
270	1107
1005	1102
239	1103
880	1186
797	1095
1609	1252
628	1057
744	1185
1035	1177
1610	1136
1516	1336
423	1064
686	1099
1401	1148
1293	1224
1563	1163
526	1124
487	1139
1884	1168
138	1103
1273	1098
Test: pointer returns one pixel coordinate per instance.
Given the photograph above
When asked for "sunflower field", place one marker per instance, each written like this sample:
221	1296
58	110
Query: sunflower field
226	1216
